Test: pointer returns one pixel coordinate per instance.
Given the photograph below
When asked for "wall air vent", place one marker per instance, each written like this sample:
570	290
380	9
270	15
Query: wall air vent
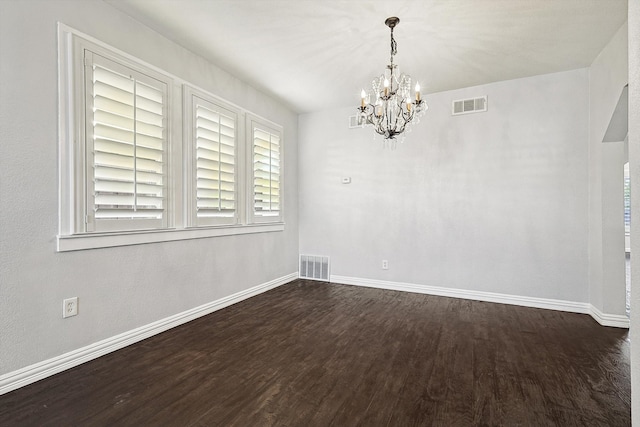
314	267
471	105
355	121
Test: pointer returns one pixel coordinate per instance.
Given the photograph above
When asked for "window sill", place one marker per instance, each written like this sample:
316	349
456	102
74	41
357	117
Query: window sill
80	242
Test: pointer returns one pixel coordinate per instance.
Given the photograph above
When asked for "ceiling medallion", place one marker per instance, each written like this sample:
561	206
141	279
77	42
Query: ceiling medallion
388	105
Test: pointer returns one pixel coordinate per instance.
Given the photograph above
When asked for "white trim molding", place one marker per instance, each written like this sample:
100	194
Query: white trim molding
605	319
614	320
80	242
30	374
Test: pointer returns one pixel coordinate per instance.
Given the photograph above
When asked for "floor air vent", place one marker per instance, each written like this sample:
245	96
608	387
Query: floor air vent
471	105
314	267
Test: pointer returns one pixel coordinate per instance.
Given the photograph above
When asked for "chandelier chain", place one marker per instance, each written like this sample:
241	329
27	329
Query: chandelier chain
394	46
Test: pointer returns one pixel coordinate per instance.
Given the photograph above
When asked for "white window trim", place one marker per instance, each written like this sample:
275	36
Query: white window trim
192	95
107	240
143	76
71	160
72	189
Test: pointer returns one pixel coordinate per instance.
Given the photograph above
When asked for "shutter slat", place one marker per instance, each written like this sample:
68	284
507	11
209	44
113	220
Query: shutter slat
148	92
112	133
148	105
209	157
150	118
150	154
113	160
216	175
149	178
111	92
148	129
113	147
206	163
103	186
112	78
113	120
101	103
114	174
150	190
144	165
211	135
150	142
209	122
206	113
115	199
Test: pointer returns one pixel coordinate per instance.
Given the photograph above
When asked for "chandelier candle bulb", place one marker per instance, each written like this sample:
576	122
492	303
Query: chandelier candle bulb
363	95
418	92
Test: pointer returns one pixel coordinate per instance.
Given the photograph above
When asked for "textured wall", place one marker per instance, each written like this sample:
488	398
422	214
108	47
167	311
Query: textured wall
119	288
493	201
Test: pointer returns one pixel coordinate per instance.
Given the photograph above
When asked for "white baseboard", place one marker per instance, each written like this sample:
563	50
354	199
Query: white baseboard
618	321
30	374
41	370
614	320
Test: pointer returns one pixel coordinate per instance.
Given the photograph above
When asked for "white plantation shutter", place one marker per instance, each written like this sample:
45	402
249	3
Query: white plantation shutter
266	154
127	177
126	147
214	137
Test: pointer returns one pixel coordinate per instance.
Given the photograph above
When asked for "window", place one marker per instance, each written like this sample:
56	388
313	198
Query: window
212	138
125	139
131	172
266	177
627	200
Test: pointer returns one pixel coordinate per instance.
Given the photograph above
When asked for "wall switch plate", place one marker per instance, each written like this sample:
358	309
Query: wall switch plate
385	264
346	180
70	307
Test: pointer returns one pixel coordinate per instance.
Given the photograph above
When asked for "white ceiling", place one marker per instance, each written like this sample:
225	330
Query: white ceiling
315	54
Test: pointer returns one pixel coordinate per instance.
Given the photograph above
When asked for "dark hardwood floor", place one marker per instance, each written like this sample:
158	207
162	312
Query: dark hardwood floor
318	354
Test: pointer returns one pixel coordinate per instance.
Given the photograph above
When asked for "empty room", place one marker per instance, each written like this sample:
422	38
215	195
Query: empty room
319	213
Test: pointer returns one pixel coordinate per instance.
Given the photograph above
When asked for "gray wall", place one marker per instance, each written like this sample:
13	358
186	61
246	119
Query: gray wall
119	288
493	202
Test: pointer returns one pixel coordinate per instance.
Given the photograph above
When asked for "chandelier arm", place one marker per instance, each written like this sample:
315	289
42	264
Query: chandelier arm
370	118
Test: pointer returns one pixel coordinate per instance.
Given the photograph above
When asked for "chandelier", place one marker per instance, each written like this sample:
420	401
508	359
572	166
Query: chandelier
388	106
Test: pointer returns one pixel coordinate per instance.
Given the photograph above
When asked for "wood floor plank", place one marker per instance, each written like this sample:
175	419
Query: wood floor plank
317	354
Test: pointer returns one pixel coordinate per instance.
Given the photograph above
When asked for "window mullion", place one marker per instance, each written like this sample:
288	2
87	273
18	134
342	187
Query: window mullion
270	172
135	145
219	163
88	174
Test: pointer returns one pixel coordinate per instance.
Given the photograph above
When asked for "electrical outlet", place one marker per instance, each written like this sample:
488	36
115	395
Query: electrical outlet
70	307
385	264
